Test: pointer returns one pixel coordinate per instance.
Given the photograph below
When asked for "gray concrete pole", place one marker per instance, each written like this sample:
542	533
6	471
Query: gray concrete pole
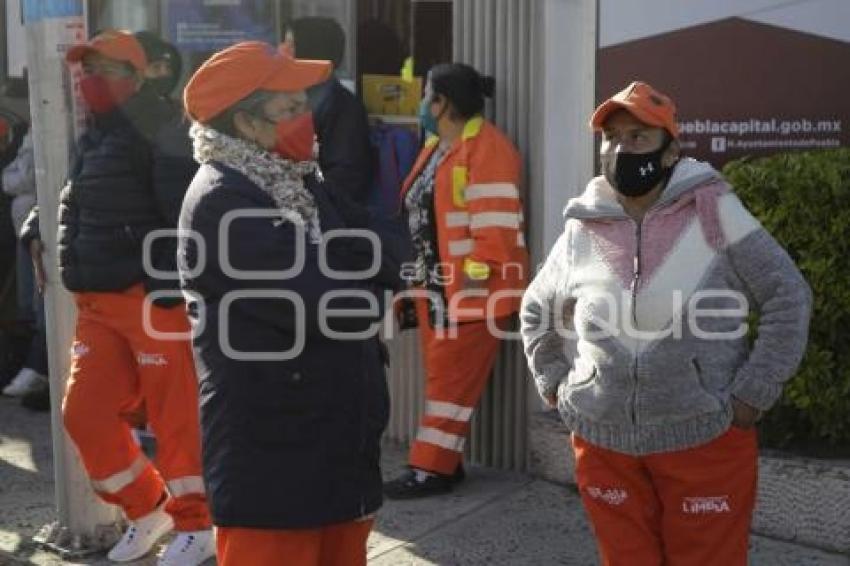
84	524
563	152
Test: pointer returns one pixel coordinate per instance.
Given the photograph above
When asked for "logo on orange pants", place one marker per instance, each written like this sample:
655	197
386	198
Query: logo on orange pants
152	359
610	496
706	505
79	350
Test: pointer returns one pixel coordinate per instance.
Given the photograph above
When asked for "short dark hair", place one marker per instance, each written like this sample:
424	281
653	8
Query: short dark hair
319	38
157	49
463	86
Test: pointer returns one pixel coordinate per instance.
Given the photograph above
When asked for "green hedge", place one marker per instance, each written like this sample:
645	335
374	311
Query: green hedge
803	199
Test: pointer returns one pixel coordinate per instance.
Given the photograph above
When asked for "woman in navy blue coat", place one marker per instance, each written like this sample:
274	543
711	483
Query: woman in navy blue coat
293	392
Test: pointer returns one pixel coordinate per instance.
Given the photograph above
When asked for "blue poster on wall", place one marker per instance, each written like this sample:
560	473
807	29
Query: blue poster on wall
37	10
211	25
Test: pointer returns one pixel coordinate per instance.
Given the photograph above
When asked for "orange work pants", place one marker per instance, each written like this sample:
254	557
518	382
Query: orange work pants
456	370
335	545
117	369
680	508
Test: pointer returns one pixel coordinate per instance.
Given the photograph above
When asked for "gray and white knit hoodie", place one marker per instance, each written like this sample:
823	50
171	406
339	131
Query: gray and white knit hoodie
640	329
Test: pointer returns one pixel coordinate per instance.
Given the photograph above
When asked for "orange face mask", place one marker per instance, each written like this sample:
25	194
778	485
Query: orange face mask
295	138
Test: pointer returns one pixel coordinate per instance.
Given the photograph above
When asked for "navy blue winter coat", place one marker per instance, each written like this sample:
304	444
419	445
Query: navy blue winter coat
286	443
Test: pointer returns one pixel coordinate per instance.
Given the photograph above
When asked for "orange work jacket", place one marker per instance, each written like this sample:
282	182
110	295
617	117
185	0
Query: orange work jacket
479	216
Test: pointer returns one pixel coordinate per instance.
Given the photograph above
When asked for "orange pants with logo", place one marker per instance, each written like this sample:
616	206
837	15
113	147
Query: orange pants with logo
335	545
457	369
684	508
117	372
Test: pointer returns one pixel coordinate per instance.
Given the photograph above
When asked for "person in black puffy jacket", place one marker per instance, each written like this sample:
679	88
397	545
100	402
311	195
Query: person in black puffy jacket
131	357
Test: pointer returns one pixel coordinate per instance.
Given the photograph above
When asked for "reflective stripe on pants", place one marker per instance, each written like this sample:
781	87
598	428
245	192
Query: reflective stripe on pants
119	374
457	370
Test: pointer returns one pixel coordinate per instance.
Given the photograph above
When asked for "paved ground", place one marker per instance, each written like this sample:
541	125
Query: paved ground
495	519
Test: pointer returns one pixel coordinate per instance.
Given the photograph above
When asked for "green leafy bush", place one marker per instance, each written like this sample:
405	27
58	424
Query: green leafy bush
803	199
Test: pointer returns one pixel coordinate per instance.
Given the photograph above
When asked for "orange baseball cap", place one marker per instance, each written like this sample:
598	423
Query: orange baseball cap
242	69
644	103
120	45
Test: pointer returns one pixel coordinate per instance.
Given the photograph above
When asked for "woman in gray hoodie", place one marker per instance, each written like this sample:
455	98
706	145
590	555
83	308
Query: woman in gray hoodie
636	329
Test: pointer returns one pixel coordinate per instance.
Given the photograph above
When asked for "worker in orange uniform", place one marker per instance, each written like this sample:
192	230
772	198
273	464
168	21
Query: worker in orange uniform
132	169
663	401
291	416
463	207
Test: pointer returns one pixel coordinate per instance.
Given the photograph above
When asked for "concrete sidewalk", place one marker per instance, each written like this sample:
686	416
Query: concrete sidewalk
494	519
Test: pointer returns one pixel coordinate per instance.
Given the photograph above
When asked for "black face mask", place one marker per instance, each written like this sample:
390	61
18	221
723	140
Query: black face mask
635	174
162	85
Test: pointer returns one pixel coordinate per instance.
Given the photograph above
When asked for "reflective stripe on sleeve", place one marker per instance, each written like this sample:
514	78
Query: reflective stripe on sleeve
492	190
457	219
509	220
460	248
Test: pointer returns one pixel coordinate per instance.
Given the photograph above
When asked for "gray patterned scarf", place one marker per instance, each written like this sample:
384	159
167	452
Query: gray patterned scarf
282	179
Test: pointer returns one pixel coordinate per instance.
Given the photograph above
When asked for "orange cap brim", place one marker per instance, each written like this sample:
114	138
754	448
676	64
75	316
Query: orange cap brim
298	74
597	121
78	52
610	106
236	72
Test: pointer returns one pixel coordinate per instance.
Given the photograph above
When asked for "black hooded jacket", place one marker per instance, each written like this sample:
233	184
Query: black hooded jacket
345	151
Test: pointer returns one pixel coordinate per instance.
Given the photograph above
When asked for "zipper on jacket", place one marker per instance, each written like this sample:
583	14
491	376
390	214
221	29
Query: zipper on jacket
636	272
698	369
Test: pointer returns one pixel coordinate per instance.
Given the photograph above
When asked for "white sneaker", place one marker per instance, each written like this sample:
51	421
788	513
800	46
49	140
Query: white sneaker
190	548
26	380
141	535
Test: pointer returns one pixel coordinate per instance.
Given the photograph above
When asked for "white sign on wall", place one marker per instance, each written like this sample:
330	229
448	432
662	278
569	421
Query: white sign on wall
16	46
